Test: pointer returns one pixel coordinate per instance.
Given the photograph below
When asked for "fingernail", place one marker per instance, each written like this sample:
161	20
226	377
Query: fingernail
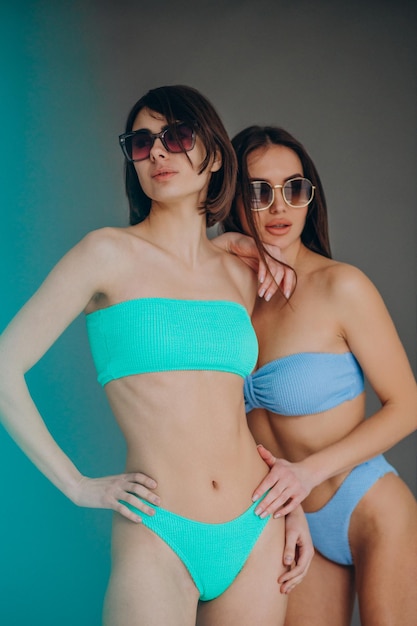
277	515
258	511
268	297
261	293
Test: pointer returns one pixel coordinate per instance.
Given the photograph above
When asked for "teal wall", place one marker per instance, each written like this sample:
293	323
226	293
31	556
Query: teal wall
54	557
340	76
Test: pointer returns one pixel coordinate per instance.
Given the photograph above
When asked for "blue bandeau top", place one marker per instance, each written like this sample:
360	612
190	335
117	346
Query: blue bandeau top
162	334
304	383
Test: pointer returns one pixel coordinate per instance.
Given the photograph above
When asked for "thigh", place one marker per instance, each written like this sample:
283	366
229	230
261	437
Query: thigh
254	596
325	597
383	538
149	584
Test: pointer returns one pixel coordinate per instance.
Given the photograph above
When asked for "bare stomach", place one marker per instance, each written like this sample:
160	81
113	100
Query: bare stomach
296	438
188	431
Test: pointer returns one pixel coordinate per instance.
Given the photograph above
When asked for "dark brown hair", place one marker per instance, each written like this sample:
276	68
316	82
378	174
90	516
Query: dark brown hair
179	102
315	234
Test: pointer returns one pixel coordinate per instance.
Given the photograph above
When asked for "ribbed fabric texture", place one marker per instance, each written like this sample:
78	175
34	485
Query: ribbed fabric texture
304	383
159	334
214	554
329	527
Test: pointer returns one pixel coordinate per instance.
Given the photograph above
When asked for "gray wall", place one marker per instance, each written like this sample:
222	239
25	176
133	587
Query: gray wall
340	76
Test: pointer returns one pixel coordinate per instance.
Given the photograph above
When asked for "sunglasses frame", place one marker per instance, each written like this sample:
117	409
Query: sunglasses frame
273	187
155	136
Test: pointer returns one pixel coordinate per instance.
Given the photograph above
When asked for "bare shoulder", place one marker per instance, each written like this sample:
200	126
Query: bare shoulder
347	281
349	292
87	269
237	268
240	275
109	247
103	243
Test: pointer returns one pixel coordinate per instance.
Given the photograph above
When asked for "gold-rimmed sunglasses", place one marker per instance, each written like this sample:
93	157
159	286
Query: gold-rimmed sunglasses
297	192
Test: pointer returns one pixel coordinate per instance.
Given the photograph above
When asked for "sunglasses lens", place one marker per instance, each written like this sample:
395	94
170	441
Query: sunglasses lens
298	192
138	146
261	195
179	137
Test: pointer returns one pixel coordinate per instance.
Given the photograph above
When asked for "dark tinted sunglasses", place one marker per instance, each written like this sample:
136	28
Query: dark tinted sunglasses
137	145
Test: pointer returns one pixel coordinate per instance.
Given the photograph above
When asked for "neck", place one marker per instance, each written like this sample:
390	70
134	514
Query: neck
294	254
180	230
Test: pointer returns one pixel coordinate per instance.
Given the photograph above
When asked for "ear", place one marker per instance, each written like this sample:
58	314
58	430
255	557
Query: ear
217	162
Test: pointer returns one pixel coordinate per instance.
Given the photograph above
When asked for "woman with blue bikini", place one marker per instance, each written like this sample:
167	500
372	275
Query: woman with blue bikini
168	320
306	401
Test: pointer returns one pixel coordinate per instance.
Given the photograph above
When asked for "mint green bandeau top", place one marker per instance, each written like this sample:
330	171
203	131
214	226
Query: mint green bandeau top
162	334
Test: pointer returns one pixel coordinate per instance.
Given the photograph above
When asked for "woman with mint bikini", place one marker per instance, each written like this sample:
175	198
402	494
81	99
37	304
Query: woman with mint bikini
168	320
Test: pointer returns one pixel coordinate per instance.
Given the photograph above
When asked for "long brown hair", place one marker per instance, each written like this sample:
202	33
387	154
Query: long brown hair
315	235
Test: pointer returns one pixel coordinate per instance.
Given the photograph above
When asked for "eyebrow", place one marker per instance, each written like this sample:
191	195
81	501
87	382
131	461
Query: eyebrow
265	180
148	130
176	122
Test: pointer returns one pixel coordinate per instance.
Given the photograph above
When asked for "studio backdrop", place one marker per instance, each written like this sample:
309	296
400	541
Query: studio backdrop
339	76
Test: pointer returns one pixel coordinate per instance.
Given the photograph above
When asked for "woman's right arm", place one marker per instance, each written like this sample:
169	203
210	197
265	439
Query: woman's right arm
83	272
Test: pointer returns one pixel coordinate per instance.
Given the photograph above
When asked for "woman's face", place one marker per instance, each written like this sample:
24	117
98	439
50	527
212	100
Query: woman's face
167	177
280	225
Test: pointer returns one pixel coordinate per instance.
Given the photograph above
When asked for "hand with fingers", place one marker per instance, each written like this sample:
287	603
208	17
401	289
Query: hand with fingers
298	551
273	273
115	492
287	485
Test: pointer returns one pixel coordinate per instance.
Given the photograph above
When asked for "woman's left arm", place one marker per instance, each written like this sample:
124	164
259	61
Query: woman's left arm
371	336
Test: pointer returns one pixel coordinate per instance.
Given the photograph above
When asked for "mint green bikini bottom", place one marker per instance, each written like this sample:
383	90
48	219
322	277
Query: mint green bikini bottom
213	554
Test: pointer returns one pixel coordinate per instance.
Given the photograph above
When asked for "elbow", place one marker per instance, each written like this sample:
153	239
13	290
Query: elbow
401	413
414	418
413	411
411	415
11	381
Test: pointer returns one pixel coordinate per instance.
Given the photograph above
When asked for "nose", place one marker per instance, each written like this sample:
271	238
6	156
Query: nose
158	150
278	205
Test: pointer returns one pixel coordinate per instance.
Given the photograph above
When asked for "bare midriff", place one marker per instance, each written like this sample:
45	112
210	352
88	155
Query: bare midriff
188	431
294	438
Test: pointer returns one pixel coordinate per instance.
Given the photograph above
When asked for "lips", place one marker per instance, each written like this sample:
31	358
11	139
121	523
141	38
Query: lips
278	227
163	173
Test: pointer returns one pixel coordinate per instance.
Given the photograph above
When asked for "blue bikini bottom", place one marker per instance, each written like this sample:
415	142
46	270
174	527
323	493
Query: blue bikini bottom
329	526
